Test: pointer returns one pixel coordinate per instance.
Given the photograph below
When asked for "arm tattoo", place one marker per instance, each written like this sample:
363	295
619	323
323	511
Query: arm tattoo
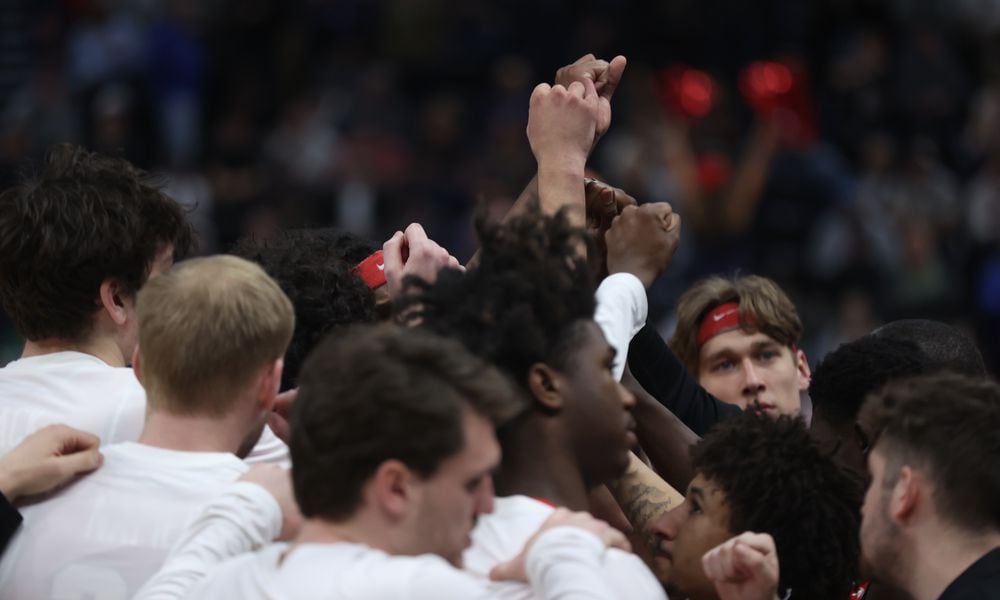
642	502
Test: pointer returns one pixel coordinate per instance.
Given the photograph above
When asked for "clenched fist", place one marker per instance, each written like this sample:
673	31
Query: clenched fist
642	240
604	203
605	76
562	123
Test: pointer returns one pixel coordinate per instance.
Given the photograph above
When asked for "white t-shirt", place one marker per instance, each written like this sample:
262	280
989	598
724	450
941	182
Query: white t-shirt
83	391
561	565
242	519
107	533
621	312
77	389
500	536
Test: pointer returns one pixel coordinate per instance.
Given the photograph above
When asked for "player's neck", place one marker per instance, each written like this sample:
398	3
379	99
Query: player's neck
536	464
358	529
192	433
102	348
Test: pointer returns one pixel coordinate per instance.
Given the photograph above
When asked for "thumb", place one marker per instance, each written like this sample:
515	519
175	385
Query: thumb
614	74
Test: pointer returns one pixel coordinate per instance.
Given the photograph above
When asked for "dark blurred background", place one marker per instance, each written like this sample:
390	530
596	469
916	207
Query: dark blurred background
849	149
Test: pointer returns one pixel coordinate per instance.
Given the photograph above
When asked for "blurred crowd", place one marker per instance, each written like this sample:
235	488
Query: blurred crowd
848	149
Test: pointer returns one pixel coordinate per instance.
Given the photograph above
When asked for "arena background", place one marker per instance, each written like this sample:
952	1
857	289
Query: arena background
848	149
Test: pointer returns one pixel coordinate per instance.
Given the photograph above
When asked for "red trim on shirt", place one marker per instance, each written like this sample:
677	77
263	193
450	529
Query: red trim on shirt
860	592
545	502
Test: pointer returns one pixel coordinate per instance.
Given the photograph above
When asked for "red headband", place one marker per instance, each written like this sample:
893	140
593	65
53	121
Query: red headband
722	318
371	270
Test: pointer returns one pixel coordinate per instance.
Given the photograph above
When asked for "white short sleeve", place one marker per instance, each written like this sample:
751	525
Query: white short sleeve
621	312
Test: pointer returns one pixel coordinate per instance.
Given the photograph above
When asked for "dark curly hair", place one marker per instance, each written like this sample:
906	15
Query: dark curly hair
845	377
313	268
82	219
778	481
522	304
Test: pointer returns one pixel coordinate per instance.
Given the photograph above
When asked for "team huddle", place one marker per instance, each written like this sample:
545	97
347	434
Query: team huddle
317	415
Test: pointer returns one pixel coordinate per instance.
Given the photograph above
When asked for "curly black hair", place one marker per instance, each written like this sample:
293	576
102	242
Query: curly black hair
524	301
82	219
313	267
777	480
845	377
346	245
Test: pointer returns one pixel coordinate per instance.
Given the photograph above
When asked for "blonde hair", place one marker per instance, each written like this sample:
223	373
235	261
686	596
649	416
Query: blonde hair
764	307
206	327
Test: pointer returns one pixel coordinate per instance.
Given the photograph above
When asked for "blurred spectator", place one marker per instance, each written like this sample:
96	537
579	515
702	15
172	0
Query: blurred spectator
867	191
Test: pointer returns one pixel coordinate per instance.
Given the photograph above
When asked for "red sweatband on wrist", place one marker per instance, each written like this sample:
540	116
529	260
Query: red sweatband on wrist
722	318
371	270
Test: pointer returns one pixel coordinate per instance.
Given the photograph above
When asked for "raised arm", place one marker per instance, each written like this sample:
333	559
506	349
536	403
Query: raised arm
640	242
664	438
660	373
606	76
412	254
644	497
562	124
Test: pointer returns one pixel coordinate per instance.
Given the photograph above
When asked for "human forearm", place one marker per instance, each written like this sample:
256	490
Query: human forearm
665	439
241	520
644	496
527	200
661	373
561	187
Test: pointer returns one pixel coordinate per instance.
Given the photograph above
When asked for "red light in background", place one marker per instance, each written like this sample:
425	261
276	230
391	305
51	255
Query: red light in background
777	90
686	91
763	83
714	171
697	92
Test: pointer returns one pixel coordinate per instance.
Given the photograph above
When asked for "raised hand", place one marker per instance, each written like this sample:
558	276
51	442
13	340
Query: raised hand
642	240
411	252
562	122
605	75
604	203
